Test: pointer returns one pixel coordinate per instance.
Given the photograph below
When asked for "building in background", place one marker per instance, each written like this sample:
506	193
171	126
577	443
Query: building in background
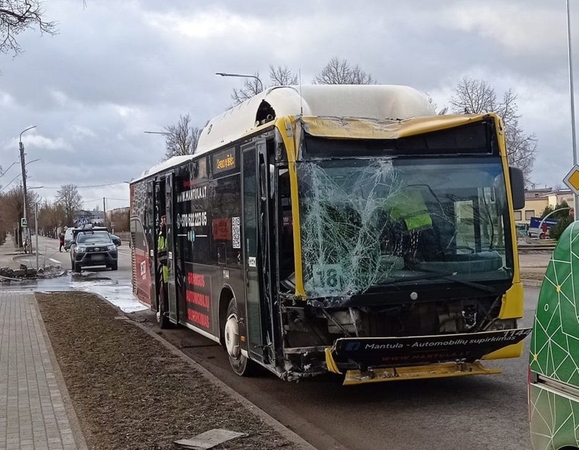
95	217
536	200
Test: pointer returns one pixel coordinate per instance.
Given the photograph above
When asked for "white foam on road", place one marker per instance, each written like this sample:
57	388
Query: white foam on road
117	294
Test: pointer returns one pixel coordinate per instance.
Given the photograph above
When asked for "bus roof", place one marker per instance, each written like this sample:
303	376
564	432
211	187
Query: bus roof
338	100
343	100
171	162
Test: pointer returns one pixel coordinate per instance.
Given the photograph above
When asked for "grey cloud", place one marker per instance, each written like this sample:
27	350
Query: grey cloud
112	72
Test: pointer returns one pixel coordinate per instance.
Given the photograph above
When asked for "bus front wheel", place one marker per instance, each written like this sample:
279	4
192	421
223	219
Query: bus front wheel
240	364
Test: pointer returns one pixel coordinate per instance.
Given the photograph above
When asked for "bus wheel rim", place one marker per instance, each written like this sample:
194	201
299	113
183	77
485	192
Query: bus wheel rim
232	336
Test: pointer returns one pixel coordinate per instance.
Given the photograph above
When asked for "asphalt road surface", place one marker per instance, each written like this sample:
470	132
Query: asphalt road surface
475	413
49	255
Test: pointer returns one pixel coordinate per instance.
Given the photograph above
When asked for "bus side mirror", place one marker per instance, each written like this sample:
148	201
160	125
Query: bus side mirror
517	187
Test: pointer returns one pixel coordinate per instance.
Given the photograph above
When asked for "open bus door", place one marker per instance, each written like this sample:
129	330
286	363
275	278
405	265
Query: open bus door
257	253
169	213
158	212
149	226
166	296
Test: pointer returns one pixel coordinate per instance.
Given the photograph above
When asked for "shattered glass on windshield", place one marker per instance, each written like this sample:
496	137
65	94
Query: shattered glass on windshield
342	225
370	222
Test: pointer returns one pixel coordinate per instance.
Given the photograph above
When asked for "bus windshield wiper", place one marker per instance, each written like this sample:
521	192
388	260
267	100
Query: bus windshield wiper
450	276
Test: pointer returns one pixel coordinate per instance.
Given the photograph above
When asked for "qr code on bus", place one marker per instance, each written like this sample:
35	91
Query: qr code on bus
236	231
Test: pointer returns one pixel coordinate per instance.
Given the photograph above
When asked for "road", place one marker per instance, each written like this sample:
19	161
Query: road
49	255
485	412
475	413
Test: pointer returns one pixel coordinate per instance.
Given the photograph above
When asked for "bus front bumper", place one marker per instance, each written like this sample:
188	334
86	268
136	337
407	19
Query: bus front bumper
372	359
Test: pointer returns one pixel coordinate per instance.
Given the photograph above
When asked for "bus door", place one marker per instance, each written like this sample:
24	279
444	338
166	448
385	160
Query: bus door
171	257
158	212
256	254
149	225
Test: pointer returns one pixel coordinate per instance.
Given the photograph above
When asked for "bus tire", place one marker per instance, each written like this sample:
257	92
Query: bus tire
241	365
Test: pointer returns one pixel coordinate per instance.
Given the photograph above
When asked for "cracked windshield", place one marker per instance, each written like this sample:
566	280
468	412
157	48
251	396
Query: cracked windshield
369	222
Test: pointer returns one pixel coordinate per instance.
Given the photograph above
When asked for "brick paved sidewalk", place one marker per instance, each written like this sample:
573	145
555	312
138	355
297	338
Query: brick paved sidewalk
34	409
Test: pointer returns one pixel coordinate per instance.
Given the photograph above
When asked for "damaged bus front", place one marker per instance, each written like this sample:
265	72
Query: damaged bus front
405	248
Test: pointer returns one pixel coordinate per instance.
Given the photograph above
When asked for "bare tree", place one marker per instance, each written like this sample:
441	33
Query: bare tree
121	219
50	217
278	76
70	200
11	205
339	71
17	16
521	148
474	96
181	139
441	112
251	86
282	76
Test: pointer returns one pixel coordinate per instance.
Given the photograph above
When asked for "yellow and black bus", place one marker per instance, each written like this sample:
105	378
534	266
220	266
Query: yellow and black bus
338	228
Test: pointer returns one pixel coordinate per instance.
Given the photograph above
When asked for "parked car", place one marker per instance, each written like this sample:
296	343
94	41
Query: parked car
93	247
554	351
68	237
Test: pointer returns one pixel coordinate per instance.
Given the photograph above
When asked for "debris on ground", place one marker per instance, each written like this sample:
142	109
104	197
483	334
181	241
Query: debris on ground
25	272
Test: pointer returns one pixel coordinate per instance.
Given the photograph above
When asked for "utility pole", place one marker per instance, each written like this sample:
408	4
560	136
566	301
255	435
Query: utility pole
23	165
36	231
104	212
24	215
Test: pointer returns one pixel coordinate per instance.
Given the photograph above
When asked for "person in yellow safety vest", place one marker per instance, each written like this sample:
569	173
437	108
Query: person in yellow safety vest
408	208
162	250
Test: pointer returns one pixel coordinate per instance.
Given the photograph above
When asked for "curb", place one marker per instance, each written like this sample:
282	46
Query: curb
66	400
301	443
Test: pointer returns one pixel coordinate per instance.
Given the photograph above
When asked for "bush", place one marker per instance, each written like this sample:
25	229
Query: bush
557	230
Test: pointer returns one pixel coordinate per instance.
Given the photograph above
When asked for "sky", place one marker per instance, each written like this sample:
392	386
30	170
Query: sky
119	68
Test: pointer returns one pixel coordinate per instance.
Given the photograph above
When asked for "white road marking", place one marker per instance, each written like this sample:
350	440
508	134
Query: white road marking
54	260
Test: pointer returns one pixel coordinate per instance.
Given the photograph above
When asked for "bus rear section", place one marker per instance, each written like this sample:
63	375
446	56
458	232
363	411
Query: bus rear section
328	241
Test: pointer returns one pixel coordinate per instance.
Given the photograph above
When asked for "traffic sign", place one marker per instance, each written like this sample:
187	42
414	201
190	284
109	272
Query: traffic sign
23	222
572	179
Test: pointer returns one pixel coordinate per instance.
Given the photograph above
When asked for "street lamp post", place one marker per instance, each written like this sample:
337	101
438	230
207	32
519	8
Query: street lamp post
572	95
23	164
224	74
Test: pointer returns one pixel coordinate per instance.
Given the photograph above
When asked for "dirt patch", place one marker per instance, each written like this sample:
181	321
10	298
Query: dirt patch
131	392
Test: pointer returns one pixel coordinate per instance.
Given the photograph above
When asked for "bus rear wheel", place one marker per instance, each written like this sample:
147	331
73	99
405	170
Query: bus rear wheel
240	364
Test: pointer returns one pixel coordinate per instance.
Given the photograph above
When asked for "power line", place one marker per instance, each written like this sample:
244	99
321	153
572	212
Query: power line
88	186
19	175
108	198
